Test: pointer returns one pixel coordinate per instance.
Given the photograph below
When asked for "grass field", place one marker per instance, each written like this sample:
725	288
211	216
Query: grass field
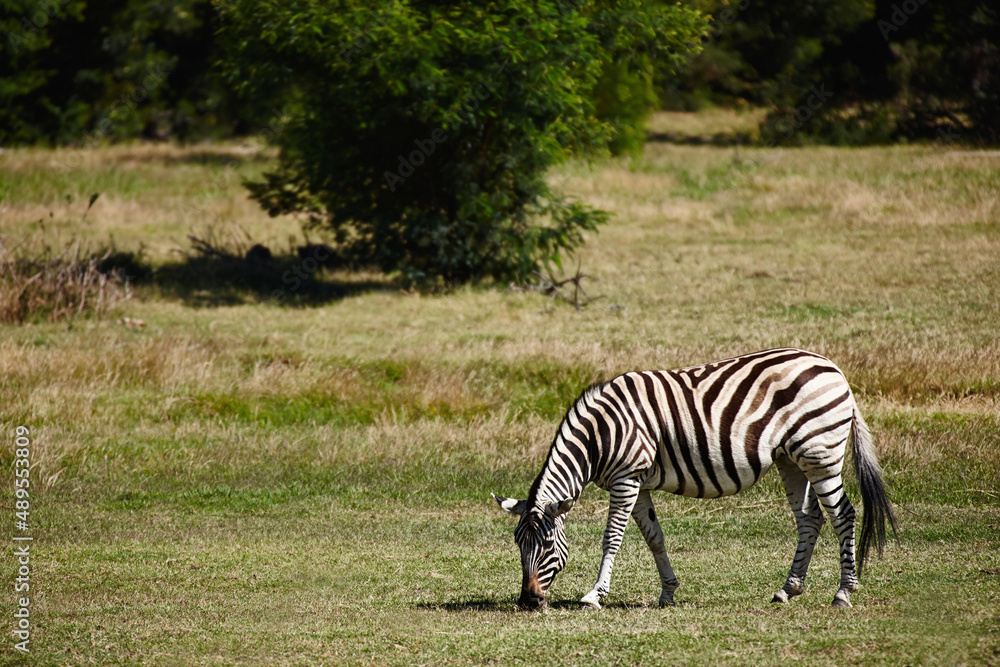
246	482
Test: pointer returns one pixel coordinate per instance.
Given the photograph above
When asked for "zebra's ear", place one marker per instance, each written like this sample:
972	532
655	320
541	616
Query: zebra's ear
556	510
509	505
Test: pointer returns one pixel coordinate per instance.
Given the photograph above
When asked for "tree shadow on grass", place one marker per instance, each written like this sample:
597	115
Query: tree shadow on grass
207	281
221	157
716	139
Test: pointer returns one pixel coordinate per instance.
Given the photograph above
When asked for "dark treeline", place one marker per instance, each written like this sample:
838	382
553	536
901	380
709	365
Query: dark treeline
852	71
840	71
78	72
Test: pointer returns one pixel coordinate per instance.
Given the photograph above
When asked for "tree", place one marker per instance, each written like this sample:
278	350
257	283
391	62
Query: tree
420	132
886	70
915	70
763	52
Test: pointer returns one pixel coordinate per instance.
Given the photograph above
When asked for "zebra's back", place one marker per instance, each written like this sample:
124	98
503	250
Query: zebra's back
713	430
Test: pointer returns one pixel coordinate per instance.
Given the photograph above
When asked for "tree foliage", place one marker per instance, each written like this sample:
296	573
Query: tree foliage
915	69
762	52
895	69
26	27
103	71
420	133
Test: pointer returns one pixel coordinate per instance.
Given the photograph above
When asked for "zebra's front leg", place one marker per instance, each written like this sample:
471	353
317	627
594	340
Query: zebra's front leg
645	518
623	497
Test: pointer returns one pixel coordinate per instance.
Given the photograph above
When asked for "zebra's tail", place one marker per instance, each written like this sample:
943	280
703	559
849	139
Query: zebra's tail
873	495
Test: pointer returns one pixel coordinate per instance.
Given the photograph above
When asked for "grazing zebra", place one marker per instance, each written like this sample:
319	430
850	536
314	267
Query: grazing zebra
705	432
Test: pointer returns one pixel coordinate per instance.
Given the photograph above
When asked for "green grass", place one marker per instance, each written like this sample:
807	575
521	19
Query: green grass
240	482
220	576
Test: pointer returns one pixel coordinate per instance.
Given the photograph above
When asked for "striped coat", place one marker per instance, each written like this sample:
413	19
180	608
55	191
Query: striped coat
705	432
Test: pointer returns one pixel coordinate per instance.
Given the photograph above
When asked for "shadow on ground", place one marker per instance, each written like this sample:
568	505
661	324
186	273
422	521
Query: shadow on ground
208	281
471	604
510	604
718	139
221	157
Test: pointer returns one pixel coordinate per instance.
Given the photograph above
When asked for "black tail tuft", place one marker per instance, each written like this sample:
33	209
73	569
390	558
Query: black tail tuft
873	495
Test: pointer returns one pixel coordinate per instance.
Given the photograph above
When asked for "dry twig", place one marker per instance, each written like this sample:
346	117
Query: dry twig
557	289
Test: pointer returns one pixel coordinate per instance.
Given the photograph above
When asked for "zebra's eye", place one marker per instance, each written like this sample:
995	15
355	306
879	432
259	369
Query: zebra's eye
548	541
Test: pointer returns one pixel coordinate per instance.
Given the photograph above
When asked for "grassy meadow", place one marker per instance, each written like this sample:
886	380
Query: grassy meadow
229	478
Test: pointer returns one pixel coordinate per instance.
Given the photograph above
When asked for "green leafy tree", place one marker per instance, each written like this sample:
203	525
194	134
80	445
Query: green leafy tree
420	132
626	93
624	97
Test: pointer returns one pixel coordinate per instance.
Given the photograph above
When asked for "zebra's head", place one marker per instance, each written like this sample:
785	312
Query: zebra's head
542	541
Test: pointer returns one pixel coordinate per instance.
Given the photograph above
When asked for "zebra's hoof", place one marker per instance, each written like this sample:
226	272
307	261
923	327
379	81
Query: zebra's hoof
667	603
781	597
841	601
591	600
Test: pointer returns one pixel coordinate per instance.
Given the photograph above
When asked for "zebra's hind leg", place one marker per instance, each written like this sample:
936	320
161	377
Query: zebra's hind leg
624	493
830	491
645	518
808	519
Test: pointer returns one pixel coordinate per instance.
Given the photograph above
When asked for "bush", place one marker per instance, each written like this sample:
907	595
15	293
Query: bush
420	132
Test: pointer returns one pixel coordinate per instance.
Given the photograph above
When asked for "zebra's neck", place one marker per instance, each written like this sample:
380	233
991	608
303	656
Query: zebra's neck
566	472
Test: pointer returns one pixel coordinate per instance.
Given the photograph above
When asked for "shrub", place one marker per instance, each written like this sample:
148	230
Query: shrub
420	132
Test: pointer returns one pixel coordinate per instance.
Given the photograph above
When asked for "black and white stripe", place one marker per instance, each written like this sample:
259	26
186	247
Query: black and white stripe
705	432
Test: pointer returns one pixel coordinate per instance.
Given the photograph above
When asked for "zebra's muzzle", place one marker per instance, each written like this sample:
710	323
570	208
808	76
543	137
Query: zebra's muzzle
531	601
532	594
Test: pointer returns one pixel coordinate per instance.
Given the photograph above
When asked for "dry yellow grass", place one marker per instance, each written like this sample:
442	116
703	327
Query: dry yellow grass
152	195
884	259
708	123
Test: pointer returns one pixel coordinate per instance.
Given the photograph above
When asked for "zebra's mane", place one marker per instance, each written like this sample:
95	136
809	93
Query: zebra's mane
590	392
585	397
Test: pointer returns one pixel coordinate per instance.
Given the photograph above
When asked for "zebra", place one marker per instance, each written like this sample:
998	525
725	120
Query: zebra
704	432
